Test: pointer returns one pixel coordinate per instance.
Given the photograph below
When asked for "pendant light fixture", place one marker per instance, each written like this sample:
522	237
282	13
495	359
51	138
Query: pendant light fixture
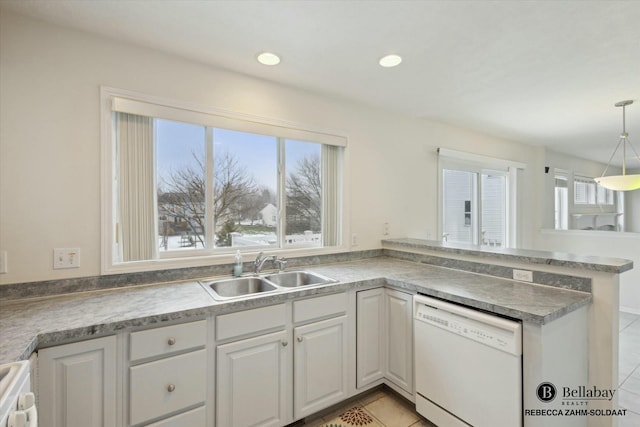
622	182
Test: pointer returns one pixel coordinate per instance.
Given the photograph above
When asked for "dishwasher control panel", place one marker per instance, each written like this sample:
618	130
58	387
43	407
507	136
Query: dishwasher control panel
494	331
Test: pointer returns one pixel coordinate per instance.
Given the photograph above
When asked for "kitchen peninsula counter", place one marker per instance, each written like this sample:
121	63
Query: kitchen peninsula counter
533	257
29	324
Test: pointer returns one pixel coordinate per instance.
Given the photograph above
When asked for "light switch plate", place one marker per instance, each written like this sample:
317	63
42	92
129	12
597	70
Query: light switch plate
66	258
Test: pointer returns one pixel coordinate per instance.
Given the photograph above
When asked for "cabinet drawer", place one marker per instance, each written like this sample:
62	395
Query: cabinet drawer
250	321
193	418
314	308
168	339
167	385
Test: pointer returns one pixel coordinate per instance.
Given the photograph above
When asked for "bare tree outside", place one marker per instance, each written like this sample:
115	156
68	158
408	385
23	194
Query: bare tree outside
237	201
181	204
233	185
304	196
181	197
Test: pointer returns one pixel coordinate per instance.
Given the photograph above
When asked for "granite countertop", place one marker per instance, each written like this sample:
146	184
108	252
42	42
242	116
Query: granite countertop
28	324
562	259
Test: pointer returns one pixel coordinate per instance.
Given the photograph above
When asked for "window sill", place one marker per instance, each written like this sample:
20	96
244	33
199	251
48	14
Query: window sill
227	257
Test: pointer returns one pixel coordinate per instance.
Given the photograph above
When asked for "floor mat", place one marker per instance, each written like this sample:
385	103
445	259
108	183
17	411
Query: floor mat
354	417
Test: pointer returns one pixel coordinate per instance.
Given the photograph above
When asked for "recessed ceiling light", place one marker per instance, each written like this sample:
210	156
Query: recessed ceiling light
390	60
268	58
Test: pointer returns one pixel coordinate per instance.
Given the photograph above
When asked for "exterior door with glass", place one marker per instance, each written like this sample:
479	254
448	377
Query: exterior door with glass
475	206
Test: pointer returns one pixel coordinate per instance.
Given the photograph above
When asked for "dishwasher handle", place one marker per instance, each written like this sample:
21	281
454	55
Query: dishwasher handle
468	313
496	332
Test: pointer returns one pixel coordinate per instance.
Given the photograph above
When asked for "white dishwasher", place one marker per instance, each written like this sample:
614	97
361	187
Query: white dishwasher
468	366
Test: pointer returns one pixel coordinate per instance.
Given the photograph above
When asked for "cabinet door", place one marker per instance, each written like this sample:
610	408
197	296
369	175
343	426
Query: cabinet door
320	365
399	360
371	328
77	384
251	381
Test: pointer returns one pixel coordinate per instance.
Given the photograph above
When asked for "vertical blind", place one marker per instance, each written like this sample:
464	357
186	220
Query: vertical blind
136	189
331	178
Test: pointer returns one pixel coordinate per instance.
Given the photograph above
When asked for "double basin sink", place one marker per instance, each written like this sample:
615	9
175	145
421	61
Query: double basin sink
226	289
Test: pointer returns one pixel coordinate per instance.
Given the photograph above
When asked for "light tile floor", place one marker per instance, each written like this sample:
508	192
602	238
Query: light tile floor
380	408
629	369
383	408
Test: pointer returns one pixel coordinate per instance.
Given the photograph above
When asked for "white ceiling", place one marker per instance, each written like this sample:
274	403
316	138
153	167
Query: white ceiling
539	72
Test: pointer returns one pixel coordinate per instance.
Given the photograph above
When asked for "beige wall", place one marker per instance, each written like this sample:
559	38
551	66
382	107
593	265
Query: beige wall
50	143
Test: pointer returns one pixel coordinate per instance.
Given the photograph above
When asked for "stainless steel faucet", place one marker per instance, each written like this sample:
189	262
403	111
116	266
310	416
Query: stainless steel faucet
260	260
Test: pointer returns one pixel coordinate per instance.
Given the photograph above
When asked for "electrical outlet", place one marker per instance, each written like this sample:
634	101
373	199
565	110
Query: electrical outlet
385	229
523	275
66	258
3	262
354	239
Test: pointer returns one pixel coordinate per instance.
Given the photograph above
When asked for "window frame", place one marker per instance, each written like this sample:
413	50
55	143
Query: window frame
597	191
590	190
584	216
175	259
463	161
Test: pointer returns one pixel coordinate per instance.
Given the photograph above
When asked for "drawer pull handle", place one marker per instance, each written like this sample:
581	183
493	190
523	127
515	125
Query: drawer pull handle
299	339
285	343
171	341
171	388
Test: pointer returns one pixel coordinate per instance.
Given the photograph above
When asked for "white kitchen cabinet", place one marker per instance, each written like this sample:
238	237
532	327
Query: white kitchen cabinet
77	384
399	347
252	381
280	379
371	330
168	374
320	365
385	338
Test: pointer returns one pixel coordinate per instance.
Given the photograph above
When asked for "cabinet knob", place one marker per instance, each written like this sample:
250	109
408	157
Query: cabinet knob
171	341
285	343
171	388
299	339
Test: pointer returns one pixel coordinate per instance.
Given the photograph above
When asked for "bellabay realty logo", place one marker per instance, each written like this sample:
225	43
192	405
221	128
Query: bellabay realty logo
572	397
546	392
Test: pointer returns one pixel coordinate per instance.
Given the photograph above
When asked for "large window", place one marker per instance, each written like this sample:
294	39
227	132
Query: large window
185	184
